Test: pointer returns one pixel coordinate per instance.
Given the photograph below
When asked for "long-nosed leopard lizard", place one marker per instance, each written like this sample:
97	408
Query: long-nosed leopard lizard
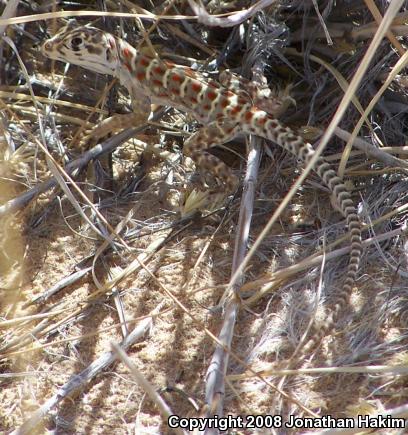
223	112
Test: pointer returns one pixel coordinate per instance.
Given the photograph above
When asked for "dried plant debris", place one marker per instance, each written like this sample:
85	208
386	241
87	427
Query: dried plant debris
112	234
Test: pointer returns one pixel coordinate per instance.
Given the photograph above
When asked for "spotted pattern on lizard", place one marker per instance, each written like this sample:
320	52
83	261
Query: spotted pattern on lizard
223	113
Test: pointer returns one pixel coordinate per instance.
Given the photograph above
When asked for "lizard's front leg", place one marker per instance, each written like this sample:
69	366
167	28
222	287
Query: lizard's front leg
212	134
141	109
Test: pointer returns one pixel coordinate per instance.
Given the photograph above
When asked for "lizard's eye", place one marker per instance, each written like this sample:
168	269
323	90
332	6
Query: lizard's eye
76	42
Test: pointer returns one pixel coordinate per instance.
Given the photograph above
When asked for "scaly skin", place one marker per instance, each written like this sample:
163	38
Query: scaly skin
223	113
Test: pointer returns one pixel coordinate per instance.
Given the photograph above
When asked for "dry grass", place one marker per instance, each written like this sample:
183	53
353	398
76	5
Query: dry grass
89	257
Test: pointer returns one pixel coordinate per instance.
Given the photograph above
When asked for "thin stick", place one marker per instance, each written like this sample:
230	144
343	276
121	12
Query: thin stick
217	369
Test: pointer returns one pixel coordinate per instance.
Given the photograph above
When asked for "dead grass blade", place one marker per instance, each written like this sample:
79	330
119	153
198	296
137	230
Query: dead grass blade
399	66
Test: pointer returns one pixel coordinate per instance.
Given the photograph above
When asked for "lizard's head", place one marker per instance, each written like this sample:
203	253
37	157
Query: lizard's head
88	47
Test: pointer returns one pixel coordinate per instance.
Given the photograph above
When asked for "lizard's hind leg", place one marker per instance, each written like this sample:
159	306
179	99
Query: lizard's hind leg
196	146
272	100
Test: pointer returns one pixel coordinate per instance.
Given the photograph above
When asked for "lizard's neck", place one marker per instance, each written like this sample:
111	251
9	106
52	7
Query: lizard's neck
125	69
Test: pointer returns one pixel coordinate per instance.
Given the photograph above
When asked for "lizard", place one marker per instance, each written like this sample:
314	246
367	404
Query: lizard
223	112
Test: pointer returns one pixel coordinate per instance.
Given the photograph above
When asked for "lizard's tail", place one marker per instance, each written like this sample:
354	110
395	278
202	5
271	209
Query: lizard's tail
261	124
